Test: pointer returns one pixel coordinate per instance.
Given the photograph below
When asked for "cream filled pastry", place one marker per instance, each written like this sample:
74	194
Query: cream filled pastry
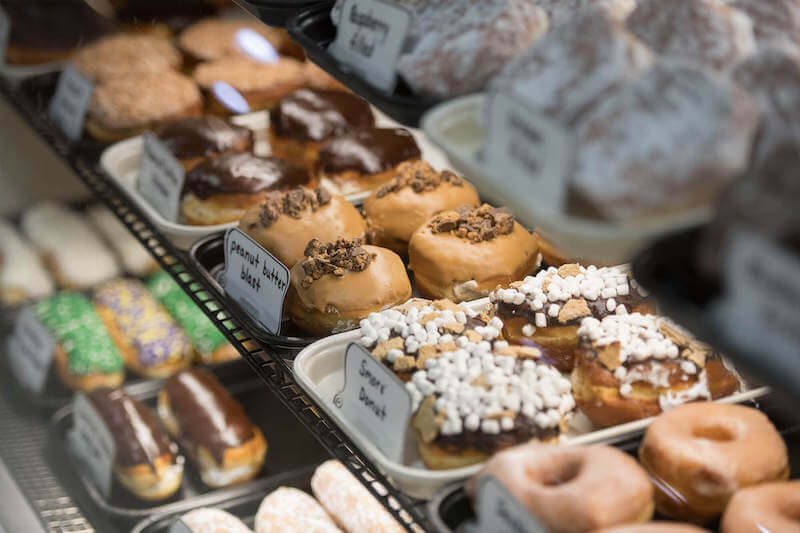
363	159
134	257
75	255
194	139
125	54
415	193
546	310
339	283
221	189
634	366
152	344
285	222
22	275
465	253
303	120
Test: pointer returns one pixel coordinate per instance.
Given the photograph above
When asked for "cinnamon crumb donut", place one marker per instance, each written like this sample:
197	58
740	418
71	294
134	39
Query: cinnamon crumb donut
699	454
573	488
125	54
765	508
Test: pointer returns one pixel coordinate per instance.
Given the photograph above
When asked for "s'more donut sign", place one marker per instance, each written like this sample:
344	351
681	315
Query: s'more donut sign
370	38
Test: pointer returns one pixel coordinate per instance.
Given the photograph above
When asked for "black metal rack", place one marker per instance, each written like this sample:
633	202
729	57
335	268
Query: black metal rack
268	363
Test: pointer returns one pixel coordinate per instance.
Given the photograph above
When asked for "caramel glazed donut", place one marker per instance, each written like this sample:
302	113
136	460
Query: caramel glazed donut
634	366
573	488
546	309
699	454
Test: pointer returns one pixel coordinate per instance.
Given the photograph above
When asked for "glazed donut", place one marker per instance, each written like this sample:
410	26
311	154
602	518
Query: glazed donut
764	508
213	38
547	309
573	488
699	454
463	254
629	367
655	527
289	510
340	283
285	222
417	192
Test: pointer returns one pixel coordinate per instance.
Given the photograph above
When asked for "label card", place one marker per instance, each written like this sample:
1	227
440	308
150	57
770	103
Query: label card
532	151
760	312
255	279
370	37
179	527
70	101
374	401
499	512
5	32
30	351
92	443
161	176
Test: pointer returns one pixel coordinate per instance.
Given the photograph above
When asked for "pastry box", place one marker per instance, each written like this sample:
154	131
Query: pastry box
287	453
319	370
457	126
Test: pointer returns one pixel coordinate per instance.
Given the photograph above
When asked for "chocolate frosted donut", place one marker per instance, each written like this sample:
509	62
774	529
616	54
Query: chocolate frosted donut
219	190
193	139
364	158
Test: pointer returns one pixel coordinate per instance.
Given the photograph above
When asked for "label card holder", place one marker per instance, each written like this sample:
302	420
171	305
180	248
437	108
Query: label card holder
161	177
531	150
499	512
255	279
30	351
92	443
374	401
69	103
370	37
5	33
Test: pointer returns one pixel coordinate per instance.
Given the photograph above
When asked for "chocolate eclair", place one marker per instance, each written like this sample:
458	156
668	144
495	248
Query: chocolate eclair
546	309
303	120
415	193
219	190
146	462
339	283
363	159
465	253
204	418
194	139
285	222
634	366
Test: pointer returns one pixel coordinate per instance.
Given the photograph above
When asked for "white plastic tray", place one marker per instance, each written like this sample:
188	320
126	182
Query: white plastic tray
456	126
319	370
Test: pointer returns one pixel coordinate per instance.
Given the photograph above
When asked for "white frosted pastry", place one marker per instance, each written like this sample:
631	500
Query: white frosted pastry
22	275
289	510
207	520
349	502
774	21
70	248
134	257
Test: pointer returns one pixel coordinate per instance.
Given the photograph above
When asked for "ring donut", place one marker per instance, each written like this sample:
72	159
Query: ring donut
767	507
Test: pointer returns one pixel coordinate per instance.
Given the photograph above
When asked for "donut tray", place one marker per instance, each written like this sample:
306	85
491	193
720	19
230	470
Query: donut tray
274	13
288	449
667	269
457	127
450	509
243	507
313	29
319	370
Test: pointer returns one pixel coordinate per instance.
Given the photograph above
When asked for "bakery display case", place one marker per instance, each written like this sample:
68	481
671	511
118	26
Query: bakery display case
399	265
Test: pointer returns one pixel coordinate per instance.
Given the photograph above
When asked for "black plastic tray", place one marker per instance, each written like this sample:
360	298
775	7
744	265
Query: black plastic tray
276	13
243	507
289	449
668	270
313	29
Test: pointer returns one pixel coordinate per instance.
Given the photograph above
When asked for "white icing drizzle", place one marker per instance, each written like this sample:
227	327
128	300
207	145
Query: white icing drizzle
20	267
134	257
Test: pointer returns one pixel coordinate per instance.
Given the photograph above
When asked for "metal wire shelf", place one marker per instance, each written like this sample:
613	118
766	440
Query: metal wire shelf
267	362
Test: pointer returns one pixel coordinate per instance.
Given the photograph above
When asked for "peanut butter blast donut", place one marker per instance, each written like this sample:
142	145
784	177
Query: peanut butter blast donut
573	488
699	454
767	508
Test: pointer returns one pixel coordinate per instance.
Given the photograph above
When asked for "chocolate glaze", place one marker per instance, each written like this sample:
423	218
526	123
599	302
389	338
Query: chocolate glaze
207	415
204	137
597	307
524	430
138	435
243	174
54	25
368	151
317	115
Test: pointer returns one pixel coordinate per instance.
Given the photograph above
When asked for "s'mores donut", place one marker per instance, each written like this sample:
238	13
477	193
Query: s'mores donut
465	253
22	275
546	310
339	283
634	366
126	54
194	139
416	192
285	222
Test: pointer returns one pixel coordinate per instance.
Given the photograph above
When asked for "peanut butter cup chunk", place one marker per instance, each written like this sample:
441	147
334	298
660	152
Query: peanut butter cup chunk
477	224
293	203
420	177
337	258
